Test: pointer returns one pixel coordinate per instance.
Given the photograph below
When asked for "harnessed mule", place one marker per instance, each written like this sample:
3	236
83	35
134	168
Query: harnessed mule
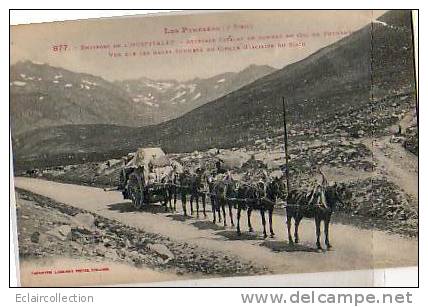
319	204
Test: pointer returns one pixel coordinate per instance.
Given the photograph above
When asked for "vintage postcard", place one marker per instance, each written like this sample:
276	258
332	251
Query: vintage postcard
205	145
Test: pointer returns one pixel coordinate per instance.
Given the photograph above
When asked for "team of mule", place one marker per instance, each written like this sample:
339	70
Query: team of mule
227	194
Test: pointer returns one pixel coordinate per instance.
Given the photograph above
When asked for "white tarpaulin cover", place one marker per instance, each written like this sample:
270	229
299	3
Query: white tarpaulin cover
233	159
144	155
162	165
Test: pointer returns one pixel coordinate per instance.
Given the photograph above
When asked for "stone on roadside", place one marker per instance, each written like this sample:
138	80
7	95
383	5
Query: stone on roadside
35	237
62	232
111	254
101	251
84	221
162	251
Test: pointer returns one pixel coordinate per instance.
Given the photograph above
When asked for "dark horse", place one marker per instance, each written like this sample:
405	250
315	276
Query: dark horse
320	203
223	190
192	184
182	188
215	209
171	182
198	185
262	197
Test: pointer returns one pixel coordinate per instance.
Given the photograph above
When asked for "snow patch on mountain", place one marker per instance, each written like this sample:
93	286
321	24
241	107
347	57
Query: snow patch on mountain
160	86
393	27
178	95
151	104
86	82
37	63
196	96
19	83
26	77
192	88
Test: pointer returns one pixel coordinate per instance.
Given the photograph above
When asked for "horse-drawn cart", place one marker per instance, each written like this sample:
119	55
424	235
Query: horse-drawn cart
143	180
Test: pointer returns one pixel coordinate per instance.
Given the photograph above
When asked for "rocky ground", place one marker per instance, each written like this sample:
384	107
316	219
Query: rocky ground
47	228
411	140
386	205
370	196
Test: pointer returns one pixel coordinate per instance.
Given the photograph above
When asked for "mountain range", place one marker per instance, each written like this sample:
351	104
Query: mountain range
170	99
46	96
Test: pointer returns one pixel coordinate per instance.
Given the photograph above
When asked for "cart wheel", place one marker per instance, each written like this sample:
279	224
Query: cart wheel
135	190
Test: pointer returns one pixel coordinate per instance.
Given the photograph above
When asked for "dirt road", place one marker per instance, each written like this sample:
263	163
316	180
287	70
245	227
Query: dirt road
394	161
354	248
398	164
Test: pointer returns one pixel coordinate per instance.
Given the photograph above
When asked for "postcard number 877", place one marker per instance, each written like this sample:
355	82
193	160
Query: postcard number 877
59	48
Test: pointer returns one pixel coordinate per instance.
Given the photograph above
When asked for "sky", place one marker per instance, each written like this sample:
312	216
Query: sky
214	55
